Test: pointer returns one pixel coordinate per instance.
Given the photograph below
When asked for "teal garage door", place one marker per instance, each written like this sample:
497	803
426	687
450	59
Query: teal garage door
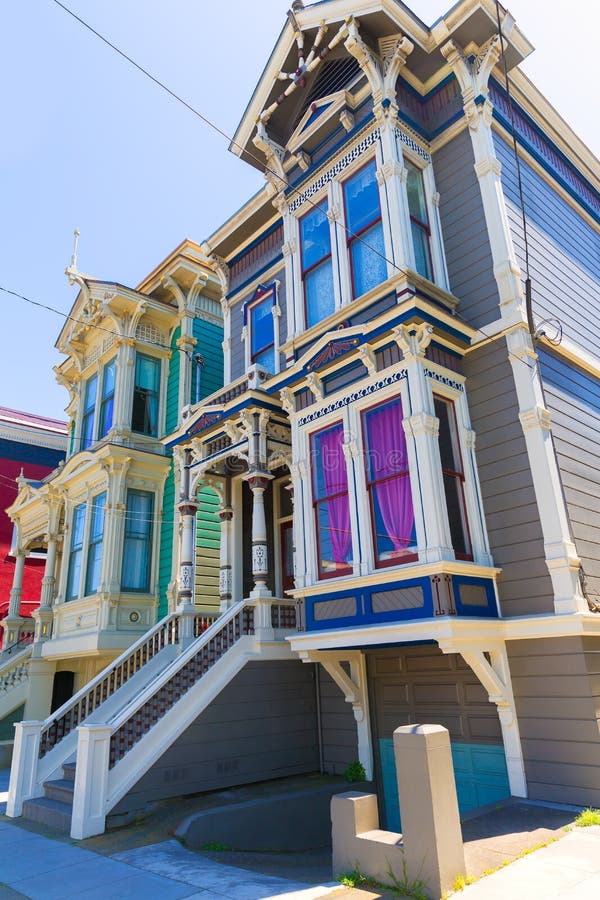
419	684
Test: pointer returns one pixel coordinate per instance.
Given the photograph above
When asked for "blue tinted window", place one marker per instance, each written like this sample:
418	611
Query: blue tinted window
361	198
137	546
316	241
262	337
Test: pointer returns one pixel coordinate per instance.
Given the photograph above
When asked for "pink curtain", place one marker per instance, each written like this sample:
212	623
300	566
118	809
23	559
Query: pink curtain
388	458
333	466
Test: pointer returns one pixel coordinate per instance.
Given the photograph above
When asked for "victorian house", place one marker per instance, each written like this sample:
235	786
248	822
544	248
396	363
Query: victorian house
405	451
105	519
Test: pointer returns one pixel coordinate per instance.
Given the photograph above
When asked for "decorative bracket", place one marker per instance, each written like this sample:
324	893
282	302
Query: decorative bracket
413	340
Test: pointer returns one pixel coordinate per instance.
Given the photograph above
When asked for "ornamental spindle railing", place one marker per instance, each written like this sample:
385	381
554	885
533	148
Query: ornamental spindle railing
14	670
76	710
283	615
139	723
203	622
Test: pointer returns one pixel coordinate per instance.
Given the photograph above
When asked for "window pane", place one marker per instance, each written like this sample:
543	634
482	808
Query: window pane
421	247
328	463
320	300
76	554
388	480
335	536
453	476
367	255
108	381
138	540
266	359
144	416
416	193
361	196
90	394
87	430
316	241
146	372
261	326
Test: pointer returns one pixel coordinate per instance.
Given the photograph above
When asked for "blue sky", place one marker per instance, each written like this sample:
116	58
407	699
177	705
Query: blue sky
88	141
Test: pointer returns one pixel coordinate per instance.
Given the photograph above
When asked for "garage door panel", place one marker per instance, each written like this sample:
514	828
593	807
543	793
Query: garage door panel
435	692
428	663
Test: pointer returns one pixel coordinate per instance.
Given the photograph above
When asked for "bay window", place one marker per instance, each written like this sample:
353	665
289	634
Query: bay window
89	409
331	502
366	248
144	416
453	473
86	555
107	399
137	544
316	265
262	332
94	551
419	220
388	484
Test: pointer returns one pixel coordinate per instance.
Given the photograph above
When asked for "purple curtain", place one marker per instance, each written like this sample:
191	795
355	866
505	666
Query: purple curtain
388	458
335	477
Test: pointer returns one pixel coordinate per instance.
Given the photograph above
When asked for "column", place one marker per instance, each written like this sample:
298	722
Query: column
422	426
187	555
13	622
225	573
43	615
258	483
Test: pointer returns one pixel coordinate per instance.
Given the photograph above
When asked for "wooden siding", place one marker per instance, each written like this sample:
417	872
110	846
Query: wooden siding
172	415
261	726
573	398
208	531
510	506
210	345
564	251
338	727
166	543
464	231
258	255
556	684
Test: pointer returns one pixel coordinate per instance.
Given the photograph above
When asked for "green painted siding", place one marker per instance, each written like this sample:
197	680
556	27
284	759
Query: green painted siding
173	384
208	531
209	337
166	543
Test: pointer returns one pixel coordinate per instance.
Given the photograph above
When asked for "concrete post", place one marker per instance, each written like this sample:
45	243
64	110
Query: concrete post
23	773
433	846
91	781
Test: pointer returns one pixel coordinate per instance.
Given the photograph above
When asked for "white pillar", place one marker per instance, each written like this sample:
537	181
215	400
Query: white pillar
14	606
422	426
187	557
23	772
391	177
260	556
225	573
91	781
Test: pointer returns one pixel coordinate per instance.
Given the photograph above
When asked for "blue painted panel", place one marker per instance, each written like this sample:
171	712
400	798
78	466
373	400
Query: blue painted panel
479	770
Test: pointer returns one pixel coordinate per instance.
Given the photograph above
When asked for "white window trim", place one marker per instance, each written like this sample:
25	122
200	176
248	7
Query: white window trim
436	247
86	501
246	335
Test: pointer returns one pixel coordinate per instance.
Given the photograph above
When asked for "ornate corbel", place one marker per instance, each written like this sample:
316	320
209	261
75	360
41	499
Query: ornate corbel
367	357
287	401
233	432
394	56
316	385
357	48
473	77
413	340
274	154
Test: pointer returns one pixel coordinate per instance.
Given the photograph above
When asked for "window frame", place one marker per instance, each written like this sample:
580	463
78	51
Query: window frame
424	226
458	476
352	237
369	484
93	505
104	399
89	413
149	542
323	202
88	507
157	361
349	568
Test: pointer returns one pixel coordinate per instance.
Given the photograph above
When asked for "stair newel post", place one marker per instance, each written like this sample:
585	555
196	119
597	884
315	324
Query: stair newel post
187	552
23	773
91	780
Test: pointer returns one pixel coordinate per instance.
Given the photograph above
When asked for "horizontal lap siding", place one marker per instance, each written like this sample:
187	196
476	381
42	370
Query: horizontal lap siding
261	726
208	535
509	502
464	230
556	684
573	398
210	346
338	727
564	251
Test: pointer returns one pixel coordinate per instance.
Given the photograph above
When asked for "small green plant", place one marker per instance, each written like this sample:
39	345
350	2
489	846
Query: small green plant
215	847
352	879
355	772
416	889
588	817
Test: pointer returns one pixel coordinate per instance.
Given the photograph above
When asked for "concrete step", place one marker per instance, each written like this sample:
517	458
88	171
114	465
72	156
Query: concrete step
48	812
69	771
61	789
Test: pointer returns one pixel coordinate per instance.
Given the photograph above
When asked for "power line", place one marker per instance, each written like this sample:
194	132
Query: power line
221	132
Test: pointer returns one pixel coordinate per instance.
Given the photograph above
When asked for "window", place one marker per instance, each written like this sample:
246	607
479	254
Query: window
94	553
317	269
144	417
366	249
419	222
452	470
86	558
331	502
89	408
137	546
107	399
76	554
262	332
388	484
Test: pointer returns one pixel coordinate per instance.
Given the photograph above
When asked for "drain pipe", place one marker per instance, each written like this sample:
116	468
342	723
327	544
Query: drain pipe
199	360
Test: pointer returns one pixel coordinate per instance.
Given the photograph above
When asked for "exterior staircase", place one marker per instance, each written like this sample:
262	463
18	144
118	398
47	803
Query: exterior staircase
14	675
72	769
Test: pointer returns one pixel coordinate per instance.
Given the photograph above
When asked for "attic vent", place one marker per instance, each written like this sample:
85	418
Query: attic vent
334	75
150	334
206	304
